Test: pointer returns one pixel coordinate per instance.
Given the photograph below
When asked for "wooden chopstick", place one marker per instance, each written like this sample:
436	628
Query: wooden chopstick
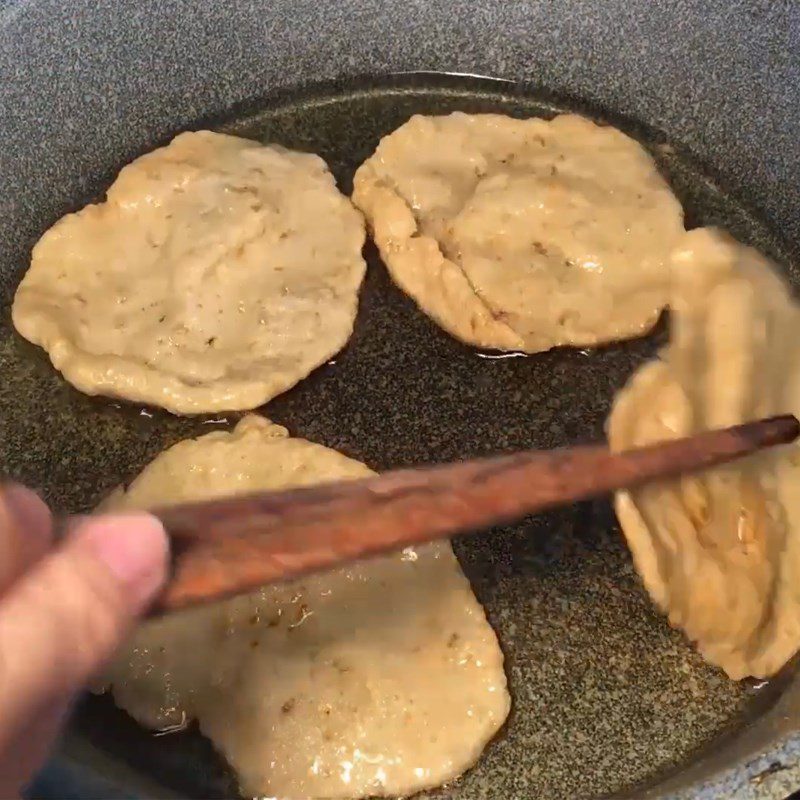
225	547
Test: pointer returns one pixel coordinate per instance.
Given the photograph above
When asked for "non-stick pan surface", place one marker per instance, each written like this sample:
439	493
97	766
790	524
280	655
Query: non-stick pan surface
606	698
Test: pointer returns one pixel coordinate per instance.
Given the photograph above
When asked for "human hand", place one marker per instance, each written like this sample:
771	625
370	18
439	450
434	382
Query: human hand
63	611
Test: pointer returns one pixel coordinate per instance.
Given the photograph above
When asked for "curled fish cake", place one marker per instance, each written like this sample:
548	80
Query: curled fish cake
720	552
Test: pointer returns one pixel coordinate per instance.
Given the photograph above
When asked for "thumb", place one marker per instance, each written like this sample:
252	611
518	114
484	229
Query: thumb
63	620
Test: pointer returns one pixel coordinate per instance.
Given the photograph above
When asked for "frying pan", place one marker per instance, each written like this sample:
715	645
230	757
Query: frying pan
608	701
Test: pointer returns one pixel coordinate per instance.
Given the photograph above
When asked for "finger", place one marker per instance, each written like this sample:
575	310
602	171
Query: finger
62	621
25	531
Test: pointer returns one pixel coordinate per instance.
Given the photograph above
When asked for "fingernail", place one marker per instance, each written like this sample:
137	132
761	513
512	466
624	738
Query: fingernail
27	510
134	548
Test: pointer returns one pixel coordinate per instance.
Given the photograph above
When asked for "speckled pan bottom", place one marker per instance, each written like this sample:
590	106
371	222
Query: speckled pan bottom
606	697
